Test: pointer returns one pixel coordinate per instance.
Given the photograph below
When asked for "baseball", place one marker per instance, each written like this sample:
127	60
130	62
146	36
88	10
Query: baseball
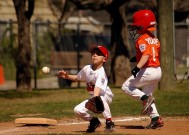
46	70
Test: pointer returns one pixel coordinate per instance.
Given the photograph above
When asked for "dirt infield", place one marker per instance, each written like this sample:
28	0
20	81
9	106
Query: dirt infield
124	125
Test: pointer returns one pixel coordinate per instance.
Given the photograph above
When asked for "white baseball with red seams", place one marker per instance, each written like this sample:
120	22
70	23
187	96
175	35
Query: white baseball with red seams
46	70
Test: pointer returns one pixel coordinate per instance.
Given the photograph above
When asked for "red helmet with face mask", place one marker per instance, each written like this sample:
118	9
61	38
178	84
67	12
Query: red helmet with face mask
143	20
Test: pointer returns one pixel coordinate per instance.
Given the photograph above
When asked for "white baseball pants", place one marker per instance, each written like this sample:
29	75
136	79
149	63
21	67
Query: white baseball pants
147	79
83	113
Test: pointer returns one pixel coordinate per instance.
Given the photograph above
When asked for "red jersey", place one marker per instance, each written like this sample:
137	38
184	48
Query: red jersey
148	44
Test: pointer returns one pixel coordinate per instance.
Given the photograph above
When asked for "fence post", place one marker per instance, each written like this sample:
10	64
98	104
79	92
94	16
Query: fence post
78	51
35	54
187	59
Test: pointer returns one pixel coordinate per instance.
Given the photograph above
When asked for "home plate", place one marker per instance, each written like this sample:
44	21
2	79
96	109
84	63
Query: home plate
36	121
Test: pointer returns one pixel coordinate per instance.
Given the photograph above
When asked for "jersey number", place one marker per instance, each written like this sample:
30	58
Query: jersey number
153	54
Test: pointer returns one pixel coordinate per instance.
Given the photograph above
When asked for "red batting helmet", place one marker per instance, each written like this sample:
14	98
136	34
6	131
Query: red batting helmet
143	20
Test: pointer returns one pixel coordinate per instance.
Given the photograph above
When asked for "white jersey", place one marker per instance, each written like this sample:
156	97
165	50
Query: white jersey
95	78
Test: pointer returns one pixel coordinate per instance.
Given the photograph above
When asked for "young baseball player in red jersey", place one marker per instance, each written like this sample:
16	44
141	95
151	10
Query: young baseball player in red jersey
147	73
97	85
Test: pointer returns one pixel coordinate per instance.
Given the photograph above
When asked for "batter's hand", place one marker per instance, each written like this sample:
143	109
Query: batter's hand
64	74
135	70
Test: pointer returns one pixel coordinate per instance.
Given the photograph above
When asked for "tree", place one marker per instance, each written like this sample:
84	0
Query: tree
24	11
165	34
120	64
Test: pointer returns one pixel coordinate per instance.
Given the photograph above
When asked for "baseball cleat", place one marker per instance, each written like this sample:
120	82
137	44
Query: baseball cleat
146	104
110	126
155	124
94	123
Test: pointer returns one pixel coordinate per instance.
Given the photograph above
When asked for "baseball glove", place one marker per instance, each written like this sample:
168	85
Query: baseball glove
95	105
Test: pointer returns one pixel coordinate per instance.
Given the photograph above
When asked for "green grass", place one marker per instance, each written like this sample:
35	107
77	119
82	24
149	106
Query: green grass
181	70
58	104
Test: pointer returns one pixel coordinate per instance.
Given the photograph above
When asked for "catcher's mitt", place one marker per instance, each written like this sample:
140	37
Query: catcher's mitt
95	105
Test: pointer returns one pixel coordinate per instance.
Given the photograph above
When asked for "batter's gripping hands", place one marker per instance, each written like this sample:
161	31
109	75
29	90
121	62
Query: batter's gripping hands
95	105
135	70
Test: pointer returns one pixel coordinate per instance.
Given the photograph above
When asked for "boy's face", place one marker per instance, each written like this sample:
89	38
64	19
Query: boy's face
98	57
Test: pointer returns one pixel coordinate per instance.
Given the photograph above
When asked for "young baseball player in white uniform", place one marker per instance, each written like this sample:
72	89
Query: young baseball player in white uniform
97	85
147	72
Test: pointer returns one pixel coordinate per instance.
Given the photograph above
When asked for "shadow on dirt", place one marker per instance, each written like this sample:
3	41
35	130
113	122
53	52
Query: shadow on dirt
131	127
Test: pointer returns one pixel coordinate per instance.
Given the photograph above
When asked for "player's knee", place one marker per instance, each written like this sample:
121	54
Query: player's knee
76	110
125	87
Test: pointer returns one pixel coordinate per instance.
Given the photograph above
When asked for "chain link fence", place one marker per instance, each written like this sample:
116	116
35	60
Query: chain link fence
181	47
65	46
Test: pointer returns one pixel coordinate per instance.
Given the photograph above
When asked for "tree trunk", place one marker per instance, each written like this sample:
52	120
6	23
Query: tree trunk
120	64
23	57
165	33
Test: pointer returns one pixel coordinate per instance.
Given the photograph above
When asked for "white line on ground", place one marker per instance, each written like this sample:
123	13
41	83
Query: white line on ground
115	120
9	130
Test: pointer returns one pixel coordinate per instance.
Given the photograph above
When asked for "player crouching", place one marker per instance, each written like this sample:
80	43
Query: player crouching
97	85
